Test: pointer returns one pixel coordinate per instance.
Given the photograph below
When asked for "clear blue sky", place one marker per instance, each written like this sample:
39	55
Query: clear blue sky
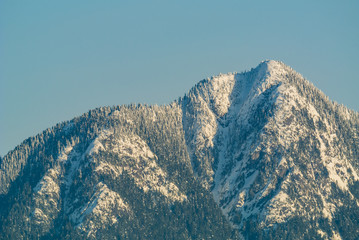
59	59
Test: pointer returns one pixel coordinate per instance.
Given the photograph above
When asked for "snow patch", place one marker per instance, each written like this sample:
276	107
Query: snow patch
137	159
336	236
104	205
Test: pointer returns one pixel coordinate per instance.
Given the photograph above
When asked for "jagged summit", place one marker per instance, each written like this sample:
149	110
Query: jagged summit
271	62
255	155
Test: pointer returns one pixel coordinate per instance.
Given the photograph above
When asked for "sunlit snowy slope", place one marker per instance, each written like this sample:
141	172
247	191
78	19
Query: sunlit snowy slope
256	155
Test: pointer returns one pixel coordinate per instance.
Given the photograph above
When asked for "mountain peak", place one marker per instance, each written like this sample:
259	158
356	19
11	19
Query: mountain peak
276	133
274	68
269	63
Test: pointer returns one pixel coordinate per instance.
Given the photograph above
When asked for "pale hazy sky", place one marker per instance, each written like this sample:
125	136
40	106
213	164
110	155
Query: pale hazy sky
59	59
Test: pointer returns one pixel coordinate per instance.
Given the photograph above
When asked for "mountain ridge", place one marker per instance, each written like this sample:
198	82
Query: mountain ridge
258	146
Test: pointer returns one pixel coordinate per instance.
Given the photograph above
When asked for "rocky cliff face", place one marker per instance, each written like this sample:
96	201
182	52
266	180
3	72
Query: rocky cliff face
257	155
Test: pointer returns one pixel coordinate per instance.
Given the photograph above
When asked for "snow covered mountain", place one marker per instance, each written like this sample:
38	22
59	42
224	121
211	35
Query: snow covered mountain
256	155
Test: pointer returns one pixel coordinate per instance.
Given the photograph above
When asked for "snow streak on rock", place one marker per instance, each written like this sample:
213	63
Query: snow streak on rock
103	209
205	103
